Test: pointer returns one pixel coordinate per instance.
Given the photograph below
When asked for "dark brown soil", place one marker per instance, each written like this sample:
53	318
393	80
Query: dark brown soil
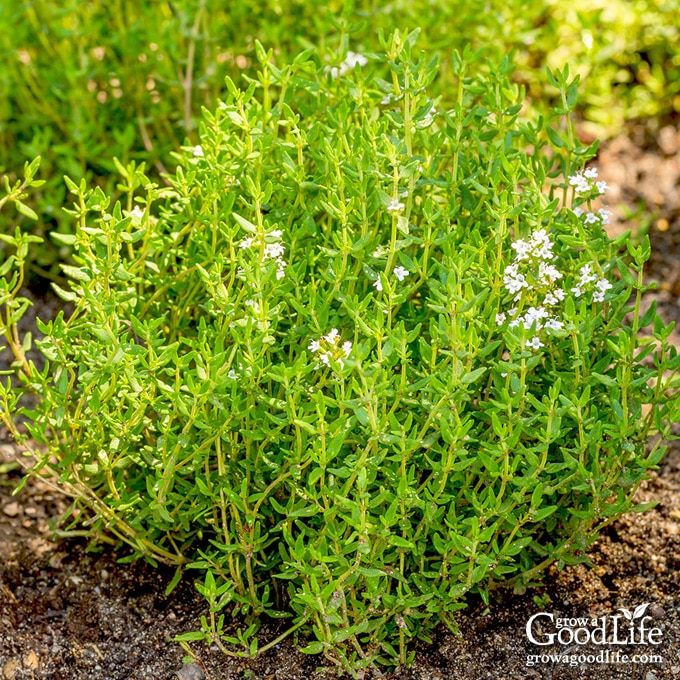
70	613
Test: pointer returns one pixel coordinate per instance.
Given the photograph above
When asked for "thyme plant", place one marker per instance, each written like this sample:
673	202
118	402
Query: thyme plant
362	358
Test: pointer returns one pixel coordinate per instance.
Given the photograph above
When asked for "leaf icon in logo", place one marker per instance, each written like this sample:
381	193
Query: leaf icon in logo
627	613
640	610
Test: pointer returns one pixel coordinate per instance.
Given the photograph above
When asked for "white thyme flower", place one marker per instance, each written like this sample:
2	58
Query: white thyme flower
538	246
377	284
351	61
280	269
522	248
513	280
584	182
553	297
534	317
587	275
232	375
354	59
548	272
586	278
328	347
198	151
600	217
553	324
542	245
273	251
500	319
602	286
580	183
136	215
400	272
535	343
395	206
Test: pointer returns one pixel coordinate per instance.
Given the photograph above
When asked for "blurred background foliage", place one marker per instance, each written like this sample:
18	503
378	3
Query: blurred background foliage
83	82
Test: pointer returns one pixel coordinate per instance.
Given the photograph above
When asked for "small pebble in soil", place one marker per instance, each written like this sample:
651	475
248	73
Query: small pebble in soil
32	661
656	611
9	670
11	509
190	671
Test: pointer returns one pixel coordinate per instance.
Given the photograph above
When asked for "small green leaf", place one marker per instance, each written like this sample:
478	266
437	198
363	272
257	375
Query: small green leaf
25	210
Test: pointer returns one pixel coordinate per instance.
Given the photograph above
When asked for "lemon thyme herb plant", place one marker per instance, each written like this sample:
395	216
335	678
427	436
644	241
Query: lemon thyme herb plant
364	357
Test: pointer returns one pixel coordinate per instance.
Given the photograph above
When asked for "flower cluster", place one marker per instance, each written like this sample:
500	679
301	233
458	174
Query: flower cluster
532	279
539	247
585	185
590	281
328	347
536	251
351	61
601	217
271	249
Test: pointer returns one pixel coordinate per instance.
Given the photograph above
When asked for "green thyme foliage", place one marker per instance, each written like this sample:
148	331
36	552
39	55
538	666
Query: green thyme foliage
12	303
299	368
83	82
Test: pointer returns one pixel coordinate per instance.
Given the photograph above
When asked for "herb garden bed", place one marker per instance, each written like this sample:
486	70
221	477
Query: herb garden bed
66	613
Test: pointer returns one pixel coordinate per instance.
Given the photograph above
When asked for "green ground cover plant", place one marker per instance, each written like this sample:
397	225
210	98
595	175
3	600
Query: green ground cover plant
84	82
362	356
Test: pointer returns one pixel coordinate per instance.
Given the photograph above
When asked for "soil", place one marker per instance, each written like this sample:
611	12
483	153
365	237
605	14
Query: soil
69	610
